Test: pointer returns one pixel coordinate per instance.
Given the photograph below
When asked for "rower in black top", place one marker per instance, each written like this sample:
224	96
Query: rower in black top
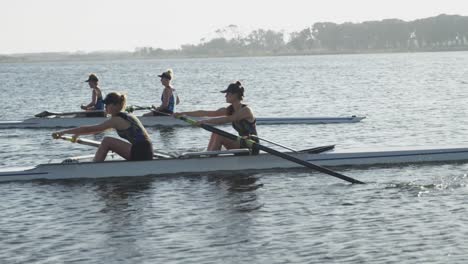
127	126
240	115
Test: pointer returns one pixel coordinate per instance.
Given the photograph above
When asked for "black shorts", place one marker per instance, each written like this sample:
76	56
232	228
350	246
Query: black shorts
163	112
142	150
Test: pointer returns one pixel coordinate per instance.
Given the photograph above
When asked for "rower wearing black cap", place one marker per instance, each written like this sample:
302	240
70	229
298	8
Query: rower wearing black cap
97	102
237	113
139	145
169	98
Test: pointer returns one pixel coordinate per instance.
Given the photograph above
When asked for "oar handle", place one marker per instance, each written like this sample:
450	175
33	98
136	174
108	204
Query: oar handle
87	142
57	136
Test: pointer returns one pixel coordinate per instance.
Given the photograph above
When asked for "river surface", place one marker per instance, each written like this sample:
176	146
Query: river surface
405	214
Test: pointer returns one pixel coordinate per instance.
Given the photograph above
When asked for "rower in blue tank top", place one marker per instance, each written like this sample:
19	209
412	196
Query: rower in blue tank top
171	106
97	101
169	97
237	113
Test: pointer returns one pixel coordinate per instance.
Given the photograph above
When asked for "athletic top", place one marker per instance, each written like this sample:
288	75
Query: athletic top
136	132
99	103
171	106
243	127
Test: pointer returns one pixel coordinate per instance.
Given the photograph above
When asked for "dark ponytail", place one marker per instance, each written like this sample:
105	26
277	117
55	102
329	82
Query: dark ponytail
116	98
241	90
123	101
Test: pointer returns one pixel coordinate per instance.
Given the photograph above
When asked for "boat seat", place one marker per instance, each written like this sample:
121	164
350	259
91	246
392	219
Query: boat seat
216	153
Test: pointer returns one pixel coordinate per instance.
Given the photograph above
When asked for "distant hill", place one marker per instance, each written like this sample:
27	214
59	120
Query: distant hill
440	33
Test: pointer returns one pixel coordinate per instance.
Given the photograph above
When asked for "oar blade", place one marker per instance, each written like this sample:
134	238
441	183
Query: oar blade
307	164
317	149
91	113
43	114
132	108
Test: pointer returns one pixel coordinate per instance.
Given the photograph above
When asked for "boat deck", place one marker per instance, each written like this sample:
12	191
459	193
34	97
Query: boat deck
149	121
221	163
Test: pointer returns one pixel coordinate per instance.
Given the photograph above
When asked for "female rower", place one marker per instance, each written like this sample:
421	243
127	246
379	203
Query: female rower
97	103
169	98
239	114
127	127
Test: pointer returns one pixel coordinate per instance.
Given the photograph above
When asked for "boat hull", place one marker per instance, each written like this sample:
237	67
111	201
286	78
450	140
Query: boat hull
229	163
150	121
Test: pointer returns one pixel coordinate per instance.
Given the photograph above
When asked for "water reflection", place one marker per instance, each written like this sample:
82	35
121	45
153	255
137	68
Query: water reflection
118	194
240	191
123	203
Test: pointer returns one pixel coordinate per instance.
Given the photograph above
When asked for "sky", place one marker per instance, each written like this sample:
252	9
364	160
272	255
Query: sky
94	25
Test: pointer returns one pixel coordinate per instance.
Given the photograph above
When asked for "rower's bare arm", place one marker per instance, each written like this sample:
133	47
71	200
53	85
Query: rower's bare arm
165	102
244	113
93	102
94	99
202	113
216	120
86	130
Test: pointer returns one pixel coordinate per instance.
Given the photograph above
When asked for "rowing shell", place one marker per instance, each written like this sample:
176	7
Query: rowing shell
206	163
150	121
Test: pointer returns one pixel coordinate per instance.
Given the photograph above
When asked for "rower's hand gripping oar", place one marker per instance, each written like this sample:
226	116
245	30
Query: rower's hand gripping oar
78	140
252	143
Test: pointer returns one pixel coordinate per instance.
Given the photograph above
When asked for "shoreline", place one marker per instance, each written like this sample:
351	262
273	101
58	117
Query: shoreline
64	57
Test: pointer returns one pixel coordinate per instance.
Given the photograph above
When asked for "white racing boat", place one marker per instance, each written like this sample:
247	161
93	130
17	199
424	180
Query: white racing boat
208	162
61	121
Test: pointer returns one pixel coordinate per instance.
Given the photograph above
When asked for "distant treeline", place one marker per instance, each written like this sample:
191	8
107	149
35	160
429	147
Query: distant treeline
440	33
444	32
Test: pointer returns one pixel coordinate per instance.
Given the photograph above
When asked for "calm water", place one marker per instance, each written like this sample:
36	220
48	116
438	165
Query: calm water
409	214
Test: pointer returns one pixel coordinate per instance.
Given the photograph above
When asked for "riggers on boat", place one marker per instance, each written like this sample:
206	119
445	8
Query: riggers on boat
207	162
57	121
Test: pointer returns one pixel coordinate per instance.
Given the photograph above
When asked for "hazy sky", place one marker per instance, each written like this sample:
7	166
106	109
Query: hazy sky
86	25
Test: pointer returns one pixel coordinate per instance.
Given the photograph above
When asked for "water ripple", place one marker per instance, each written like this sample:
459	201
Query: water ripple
410	214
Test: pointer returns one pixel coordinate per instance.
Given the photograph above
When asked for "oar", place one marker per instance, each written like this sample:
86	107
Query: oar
87	142
93	143
132	108
47	113
274	143
314	149
317	150
252	143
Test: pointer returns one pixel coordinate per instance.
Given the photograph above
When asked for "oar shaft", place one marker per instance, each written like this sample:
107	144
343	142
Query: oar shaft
82	141
47	113
132	108
308	164
252	143
93	143
274	143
